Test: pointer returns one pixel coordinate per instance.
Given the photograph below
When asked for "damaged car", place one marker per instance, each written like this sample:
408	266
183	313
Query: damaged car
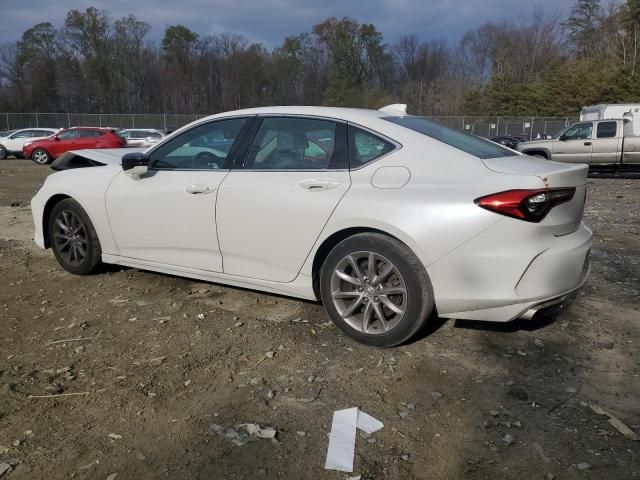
388	219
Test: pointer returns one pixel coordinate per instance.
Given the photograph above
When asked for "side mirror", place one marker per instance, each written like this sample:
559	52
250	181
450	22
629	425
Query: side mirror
135	163
56	138
563	138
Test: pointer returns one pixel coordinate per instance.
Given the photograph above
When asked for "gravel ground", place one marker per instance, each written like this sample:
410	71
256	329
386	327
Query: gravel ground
153	361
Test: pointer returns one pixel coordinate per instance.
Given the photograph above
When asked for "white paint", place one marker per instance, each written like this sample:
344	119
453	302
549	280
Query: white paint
391	177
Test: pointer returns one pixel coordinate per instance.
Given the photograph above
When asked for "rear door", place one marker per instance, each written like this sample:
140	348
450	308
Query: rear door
271	210
607	143
88	139
575	145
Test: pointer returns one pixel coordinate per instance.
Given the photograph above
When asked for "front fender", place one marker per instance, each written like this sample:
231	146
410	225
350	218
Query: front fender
87	186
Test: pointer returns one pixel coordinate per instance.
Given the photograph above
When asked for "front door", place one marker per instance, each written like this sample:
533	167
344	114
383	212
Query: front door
575	145
168	215
271	211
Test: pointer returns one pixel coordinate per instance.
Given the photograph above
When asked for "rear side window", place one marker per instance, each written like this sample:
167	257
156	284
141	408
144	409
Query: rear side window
476	146
366	147
607	129
293	143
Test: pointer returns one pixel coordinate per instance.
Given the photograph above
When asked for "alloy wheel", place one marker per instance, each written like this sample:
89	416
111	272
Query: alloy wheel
70	238
40	156
369	292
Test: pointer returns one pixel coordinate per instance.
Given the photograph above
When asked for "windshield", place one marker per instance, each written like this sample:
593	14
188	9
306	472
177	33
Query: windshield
476	146
557	135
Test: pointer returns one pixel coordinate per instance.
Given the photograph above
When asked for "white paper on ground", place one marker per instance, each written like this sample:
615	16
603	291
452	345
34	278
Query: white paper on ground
342	439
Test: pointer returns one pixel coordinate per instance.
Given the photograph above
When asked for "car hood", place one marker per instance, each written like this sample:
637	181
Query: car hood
535	143
91	158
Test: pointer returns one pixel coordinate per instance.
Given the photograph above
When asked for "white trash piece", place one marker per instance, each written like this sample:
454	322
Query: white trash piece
342	439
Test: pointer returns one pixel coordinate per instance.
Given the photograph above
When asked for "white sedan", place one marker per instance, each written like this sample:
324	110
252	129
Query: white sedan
387	218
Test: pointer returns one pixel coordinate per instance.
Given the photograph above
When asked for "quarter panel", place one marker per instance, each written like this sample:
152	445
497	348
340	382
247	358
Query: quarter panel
434	212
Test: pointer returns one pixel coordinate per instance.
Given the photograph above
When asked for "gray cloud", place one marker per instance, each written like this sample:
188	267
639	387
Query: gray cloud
269	21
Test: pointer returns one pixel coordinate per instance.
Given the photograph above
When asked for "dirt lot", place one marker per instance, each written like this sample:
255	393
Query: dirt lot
155	360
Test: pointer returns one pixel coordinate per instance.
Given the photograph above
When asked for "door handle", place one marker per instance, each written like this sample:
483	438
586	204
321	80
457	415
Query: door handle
318	184
199	189
587	144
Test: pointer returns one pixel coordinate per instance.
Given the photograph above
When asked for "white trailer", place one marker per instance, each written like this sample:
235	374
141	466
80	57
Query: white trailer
605	111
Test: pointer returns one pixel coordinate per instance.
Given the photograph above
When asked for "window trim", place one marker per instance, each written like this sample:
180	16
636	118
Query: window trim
256	127
397	146
244	131
615	132
258	121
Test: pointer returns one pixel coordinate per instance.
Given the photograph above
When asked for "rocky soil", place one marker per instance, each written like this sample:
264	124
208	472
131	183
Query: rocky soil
124	373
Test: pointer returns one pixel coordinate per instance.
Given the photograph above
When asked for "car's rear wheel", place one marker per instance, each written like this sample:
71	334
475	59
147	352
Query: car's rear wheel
376	290
3	152
73	239
41	156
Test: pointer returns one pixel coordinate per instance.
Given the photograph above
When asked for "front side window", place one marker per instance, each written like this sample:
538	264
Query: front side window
607	129
580	131
289	143
69	134
204	147
366	147
471	144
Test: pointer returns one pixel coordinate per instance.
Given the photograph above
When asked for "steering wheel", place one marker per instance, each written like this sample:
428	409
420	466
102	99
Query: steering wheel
205	160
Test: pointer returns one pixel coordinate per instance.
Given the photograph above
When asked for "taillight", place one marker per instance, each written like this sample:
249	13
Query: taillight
528	205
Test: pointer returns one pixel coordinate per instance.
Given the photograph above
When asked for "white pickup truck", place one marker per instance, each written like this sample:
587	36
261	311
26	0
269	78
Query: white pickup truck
601	142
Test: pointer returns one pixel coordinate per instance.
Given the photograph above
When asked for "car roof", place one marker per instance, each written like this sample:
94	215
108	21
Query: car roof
341	113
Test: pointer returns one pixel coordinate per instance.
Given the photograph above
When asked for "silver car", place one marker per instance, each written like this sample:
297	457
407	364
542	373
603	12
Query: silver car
141	137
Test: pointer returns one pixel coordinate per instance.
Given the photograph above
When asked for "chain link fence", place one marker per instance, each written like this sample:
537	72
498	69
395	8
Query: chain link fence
10	121
504	126
482	126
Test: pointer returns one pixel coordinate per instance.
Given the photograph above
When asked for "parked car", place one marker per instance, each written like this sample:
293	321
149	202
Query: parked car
141	137
507	141
45	150
521	138
604	142
12	143
385	217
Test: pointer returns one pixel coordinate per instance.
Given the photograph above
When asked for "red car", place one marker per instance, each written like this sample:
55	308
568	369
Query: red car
46	150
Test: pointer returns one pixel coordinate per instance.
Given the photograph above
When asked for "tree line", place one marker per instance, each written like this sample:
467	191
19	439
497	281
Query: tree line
544	65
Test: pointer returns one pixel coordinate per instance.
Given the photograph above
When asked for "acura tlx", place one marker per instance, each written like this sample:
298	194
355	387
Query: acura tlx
388	219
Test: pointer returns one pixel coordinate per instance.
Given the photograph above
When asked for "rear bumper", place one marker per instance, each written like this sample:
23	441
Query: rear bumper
500	276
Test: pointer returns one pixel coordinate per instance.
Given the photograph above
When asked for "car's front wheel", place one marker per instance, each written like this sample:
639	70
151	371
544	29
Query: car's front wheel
40	156
73	239
376	290
3	152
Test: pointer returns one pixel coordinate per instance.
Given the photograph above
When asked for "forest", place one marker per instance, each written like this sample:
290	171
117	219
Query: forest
549	64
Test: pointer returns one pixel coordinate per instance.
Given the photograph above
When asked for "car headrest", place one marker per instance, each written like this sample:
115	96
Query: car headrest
291	141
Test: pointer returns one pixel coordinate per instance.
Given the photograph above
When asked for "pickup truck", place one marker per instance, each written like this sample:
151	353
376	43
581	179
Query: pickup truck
602	142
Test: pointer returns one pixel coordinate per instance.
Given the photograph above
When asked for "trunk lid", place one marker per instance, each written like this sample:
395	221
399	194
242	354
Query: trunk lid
565	217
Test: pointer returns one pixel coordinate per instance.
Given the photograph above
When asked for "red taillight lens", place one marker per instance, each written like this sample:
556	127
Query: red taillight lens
528	205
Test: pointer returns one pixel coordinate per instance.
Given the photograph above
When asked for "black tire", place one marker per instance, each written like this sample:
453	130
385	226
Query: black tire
418	305
41	156
79	235
3	152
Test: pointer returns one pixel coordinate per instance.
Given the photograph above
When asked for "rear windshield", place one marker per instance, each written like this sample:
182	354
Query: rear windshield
471	144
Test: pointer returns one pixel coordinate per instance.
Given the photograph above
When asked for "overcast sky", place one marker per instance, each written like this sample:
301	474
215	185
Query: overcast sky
269	21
